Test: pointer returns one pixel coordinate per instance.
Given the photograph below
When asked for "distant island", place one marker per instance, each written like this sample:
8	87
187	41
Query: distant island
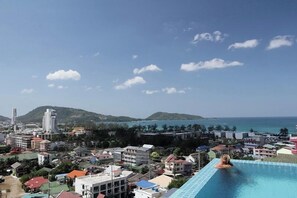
172	116
73	115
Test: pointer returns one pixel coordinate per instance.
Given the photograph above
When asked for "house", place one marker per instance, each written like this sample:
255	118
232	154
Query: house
241	135
17	169
45	145
65	194
35	143
81	151
261	153
146	189
76	173
162	181
174	166
35	183
285	151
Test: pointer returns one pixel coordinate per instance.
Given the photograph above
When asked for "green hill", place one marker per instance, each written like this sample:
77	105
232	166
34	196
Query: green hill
172	116
70	115
2	118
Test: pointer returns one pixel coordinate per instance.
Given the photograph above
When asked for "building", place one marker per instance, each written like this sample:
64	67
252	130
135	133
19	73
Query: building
229	134
112	185
134	155
44	158
21	141
81	151
261	153
35	143
220	134
285	151
241	135
49	121
45	145
35	183
174	166
13	116
146	189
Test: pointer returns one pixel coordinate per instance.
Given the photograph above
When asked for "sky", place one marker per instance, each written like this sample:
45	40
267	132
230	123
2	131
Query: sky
212	58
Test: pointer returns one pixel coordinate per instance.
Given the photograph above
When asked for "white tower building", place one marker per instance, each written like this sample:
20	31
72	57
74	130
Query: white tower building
13	116
49	121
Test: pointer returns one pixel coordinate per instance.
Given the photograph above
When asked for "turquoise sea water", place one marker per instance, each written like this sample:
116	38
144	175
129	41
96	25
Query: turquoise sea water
261	124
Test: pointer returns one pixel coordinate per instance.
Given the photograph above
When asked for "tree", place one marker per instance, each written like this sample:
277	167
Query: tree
284	132
177	151
164	126
234	128
177	183
155	155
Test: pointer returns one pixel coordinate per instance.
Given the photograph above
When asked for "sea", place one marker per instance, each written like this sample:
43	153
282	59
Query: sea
259	124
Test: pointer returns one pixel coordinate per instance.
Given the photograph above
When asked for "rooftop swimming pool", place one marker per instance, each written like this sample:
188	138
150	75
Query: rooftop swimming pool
245	180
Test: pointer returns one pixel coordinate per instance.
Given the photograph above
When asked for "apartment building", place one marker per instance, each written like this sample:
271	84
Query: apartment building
264	152
133	155
111	185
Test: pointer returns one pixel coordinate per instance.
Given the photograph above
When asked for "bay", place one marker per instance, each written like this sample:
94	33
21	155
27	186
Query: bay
259	124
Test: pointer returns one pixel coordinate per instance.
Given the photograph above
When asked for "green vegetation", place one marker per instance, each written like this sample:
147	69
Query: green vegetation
177	183
172	116
71	115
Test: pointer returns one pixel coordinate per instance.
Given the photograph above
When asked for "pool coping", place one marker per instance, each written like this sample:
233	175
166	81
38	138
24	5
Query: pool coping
188	190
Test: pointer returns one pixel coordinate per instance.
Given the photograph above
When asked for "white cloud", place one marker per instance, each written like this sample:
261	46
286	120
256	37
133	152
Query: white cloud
96	54
27	91
246	44
281	41
134	56
64	75
150	92
215	63
62	87
172	90
51	85
34	76
152	68
216	36
131	82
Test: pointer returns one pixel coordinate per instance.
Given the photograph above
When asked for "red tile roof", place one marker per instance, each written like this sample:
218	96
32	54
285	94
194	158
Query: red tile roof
65	194
76	173
36	182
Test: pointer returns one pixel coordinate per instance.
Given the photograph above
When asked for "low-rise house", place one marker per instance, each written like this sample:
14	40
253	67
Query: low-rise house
174	166
284	151
146	189
76	173
65	194
162	181
35	183
45	145
35	143
81	151
17	169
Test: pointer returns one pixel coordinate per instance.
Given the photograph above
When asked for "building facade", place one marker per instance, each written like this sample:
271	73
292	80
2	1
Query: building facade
111	185
133	155
49	121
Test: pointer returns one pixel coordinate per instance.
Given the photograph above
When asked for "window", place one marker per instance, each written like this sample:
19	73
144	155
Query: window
83	186
109	185
96	188
122	182
103	187
117	183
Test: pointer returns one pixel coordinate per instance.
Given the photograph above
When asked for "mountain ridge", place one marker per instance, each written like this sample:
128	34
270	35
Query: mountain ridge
172	116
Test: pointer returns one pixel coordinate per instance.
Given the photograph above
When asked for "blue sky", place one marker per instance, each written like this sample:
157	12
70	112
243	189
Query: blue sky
209	58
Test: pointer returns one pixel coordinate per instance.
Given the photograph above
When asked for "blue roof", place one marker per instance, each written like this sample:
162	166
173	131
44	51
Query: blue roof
145	184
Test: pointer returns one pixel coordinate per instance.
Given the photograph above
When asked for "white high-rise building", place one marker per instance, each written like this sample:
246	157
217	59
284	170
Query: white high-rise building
49	121
13	116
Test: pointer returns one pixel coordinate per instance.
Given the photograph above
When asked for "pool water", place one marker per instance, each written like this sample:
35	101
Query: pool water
245	180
